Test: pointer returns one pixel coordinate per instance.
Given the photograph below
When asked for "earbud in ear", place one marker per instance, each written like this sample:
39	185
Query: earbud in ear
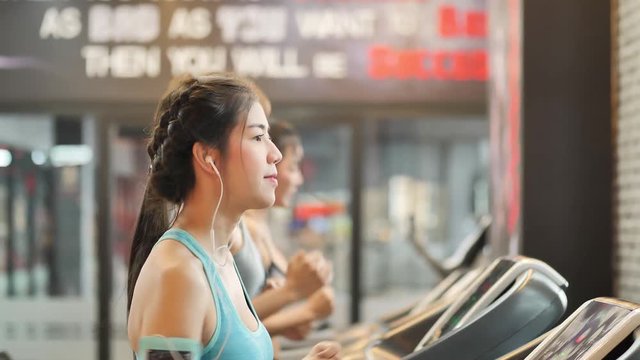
209	159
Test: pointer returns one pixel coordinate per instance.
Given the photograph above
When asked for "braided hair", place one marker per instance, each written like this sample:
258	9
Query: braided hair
203	109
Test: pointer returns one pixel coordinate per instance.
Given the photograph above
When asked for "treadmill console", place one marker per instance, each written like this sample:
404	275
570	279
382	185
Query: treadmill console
584	331
514	300
503	277
500	269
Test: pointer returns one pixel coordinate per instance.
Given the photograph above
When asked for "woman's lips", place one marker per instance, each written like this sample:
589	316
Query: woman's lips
272	178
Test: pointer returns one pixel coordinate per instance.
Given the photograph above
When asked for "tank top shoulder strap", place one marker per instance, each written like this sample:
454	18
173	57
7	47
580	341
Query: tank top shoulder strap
208	266
189	242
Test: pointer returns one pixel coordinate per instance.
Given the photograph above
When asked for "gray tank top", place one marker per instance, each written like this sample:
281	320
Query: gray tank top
249	264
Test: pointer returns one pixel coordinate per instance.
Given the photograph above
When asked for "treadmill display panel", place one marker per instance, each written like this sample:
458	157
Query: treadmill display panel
501	268
584	331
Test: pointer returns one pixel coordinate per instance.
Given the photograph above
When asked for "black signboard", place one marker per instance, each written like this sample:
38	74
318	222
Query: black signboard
297	50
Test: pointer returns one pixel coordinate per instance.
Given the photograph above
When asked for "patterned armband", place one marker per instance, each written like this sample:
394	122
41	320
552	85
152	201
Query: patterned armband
167	348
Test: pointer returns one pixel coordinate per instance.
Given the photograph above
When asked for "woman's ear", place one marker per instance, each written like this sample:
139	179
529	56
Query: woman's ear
203	155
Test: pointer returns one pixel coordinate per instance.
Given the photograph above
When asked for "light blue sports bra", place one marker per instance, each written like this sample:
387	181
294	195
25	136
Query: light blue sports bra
231	338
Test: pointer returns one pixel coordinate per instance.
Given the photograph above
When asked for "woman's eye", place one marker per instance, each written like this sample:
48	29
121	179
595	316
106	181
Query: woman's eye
258	138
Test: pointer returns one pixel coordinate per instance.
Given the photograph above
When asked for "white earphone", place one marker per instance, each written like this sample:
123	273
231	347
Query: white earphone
221	251
209	159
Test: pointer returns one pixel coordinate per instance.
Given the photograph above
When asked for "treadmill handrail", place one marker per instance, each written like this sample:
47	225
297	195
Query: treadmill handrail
520	265
468	249
467	245
437	307
604	344
441	289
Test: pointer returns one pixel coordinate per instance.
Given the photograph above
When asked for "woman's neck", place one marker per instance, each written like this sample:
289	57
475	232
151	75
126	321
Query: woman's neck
196	218
261	215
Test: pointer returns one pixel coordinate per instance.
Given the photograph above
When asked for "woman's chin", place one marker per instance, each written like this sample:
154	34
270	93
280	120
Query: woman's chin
265	202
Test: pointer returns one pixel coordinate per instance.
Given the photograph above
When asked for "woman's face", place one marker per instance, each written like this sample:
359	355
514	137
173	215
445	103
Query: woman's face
289	175
249	168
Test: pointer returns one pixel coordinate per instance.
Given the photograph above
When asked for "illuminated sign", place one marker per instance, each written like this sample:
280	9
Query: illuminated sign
339	51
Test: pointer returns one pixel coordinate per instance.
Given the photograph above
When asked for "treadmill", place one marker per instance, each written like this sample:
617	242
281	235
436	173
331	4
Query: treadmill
513	301
355	339
465	254
453	269
457	273
602	328
417	322
444	293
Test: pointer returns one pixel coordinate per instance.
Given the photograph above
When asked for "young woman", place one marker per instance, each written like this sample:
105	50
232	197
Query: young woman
212	159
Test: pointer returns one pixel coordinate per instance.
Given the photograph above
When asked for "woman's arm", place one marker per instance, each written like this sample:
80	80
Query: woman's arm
318	306
271	301
175	302
305	275
288	318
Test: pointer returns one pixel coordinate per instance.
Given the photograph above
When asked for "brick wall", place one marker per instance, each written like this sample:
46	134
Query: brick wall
626	115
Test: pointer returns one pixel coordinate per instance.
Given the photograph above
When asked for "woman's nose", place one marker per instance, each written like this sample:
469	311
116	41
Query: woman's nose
274	156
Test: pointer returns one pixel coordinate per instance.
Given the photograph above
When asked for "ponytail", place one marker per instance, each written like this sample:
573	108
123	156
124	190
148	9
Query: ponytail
152	223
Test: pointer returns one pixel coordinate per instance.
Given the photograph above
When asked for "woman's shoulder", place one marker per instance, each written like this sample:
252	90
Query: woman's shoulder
170	295
174	268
